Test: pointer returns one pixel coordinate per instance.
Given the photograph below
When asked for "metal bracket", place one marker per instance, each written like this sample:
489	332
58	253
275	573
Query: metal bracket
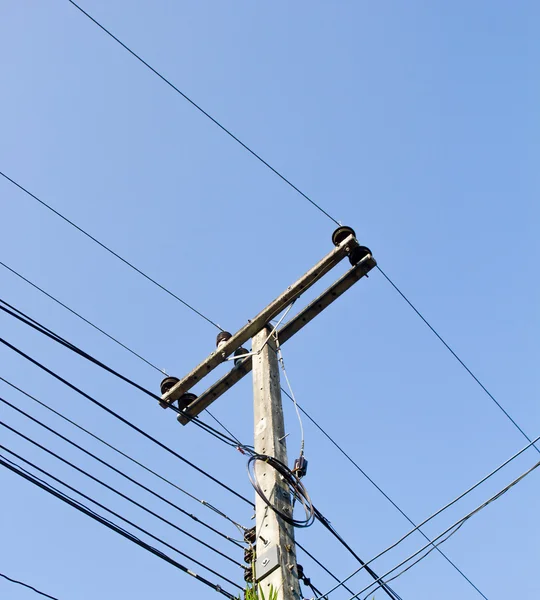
266	563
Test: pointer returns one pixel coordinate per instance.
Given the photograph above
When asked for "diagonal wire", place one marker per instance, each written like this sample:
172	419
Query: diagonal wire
453	528
378	488
29	321
204	112
123	420
115	340
115	254
460	361
90	513
130	458
28	586
115	470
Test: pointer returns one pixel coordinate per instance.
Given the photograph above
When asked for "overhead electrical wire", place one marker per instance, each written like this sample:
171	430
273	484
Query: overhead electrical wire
110	411
123	420
449	504
113	526
274	171
102	331
206	114
30	587
377	487
37	326
288	182
454	354
288	394
130	458
115	254
447	533
119	472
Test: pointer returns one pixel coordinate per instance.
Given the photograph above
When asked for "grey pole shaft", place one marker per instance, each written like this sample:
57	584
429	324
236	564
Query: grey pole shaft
275	537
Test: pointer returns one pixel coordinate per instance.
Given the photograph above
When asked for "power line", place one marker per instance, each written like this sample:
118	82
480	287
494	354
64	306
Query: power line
115	254
28	586
447	506
206	114
288	395
125	421
377	487
288	182
453	528
115	470
36	325
90	513
461	362
78	315
130	458
110	411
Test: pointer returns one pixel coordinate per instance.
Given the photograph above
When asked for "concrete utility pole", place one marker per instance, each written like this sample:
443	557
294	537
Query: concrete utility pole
275	557
275	548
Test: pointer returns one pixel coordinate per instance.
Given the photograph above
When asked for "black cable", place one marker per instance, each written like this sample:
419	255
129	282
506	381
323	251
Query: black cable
37	326
123	420
378	488
78	315
326	523
296	487
143	466
115	470
131	265
90	513
299	493
112	338
440	338
206	114
28	586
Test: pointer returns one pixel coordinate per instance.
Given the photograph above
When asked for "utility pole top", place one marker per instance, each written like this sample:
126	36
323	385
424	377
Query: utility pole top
272	550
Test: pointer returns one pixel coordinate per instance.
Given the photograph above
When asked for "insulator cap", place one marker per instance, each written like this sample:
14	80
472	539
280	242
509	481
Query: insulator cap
185	400
342	233
249	555
168	383
250	536
222	337
239	353
357	254
248	574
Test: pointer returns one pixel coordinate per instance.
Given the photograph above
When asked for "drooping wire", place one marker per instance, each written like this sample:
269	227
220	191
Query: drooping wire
103	332
123	420
206	114
130	458
118	472
79	316
30	587
36	325
377	487
113	526
115	254
447	506
454	354
447	533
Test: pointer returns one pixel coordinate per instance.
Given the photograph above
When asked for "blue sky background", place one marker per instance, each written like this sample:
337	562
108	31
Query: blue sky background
414	122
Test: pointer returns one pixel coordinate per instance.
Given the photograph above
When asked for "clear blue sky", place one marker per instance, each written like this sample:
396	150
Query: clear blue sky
414	122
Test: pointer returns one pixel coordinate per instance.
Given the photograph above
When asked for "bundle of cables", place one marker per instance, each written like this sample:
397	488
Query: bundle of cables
296	489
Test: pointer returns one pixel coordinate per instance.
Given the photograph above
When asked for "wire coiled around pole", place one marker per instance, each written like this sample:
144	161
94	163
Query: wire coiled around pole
296	488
